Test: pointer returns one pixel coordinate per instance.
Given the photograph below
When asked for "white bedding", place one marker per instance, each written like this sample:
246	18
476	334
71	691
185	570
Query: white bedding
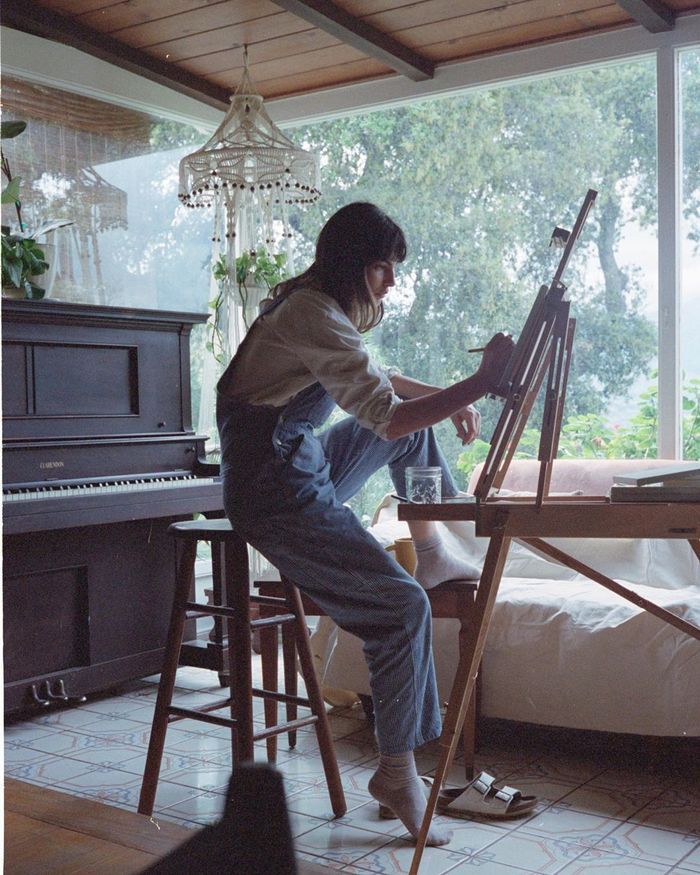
563	650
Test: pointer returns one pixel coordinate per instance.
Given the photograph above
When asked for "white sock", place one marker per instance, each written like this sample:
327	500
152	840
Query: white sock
396	784
435	565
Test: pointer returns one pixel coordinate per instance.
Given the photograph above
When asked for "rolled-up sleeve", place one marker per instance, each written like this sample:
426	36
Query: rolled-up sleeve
329	345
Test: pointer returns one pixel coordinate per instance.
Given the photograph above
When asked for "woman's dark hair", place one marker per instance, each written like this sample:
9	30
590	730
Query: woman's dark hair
352	239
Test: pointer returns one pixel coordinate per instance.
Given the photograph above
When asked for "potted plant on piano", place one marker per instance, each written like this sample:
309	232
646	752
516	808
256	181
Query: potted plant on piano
25	269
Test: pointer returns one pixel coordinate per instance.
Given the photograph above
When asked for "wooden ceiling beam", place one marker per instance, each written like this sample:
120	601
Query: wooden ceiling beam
362	36
31	18
651	14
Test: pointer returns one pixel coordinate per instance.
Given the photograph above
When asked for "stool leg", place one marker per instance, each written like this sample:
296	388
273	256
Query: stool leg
318	708
218	641
289	657
236	585
269	644
185	575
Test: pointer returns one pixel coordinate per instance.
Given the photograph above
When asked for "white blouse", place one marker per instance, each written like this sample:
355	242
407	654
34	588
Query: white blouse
307	338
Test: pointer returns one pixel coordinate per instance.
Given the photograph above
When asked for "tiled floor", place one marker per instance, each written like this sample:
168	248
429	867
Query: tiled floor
603	807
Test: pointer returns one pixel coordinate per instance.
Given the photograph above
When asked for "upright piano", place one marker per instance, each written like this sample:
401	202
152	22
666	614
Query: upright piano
99	457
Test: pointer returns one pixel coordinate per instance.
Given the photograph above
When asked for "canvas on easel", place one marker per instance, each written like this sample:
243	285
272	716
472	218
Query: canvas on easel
543	349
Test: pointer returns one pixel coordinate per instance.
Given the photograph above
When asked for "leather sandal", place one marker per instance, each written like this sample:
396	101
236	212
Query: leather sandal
484	798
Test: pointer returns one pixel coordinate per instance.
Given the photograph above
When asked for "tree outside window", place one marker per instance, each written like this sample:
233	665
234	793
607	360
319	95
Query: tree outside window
478	182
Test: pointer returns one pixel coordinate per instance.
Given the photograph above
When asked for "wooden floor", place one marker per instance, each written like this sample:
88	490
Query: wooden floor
51	832
57	834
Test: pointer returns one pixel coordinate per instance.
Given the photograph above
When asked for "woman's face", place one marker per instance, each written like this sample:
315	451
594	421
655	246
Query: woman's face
380	277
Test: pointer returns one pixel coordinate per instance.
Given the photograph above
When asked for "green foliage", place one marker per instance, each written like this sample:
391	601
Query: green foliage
691	419
10	194
11	129
590	436
254	270
22	259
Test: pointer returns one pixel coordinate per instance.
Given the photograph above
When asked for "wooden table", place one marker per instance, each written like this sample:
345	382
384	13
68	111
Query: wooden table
503	520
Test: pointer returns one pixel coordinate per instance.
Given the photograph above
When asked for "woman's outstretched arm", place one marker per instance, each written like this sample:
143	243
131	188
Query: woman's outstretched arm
433	405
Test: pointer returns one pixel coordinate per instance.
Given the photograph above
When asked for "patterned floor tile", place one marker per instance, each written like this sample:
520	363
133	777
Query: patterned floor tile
55	770
477	866
202	808
575	827
340	842
61	743
107	724
532	853
608	817
621	803
547	790
16	755
470	837
658	845
115	706
596	862
673	809
348	750
116	756
364	814
692	861
316	802
23	733
302	823
202	777
397	856
307	769
564	769
309	858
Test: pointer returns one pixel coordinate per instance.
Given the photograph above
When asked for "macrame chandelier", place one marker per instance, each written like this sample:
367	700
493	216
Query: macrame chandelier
250	173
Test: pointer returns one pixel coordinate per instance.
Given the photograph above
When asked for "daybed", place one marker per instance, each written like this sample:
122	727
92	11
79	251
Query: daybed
563	650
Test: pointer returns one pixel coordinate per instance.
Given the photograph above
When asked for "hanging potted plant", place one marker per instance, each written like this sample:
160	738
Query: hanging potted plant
24	264
256	274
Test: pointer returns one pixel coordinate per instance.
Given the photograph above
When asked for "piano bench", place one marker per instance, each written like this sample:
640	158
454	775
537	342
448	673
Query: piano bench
230	572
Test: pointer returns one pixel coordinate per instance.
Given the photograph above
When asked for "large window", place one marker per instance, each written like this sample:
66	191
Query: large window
478	182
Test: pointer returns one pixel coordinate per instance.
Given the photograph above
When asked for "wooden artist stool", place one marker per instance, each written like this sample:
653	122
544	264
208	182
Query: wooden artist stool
452	600
231	577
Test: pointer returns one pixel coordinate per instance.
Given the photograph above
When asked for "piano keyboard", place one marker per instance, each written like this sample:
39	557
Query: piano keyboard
77	490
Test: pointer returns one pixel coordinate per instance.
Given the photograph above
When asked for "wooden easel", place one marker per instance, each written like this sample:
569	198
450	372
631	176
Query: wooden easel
543	349
545	344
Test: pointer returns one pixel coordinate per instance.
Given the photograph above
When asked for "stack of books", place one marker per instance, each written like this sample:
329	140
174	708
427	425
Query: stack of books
672	483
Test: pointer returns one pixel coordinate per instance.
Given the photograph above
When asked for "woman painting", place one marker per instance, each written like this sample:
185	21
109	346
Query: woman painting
285	486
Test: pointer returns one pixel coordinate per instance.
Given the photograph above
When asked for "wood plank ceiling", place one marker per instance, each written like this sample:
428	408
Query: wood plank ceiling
300	46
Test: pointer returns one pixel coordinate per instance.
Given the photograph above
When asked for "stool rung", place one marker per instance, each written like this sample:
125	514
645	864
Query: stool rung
210	610
279	728
287	698
194	609
271	600
277	620
176	713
